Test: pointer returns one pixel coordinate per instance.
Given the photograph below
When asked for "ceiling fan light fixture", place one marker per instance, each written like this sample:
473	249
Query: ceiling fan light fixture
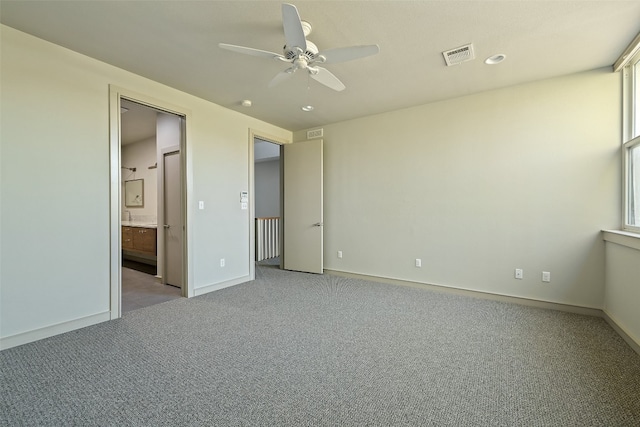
495	59
303	54
307	108
306	27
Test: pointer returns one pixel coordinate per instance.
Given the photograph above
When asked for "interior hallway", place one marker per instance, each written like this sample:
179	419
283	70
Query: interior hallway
142	289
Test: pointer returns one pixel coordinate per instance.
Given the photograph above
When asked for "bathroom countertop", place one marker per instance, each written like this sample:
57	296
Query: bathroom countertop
138	224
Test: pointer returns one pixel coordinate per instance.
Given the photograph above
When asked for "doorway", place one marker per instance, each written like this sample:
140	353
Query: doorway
267	202
300	231
265	151
150	141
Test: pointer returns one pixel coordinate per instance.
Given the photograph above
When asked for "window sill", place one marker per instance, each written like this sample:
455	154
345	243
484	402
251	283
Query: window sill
624	238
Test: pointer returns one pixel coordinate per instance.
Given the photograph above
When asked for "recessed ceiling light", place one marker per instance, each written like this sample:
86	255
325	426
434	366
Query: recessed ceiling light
307	108
495	59
246	103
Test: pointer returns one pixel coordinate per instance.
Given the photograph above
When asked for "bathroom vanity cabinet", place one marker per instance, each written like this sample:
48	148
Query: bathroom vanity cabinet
141	240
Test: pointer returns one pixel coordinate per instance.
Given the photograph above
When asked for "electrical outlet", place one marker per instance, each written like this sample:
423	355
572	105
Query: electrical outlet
222	262
418	262
339	254
201	204
519	274
546	276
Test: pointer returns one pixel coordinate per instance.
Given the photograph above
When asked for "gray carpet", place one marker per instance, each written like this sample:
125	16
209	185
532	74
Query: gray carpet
293	349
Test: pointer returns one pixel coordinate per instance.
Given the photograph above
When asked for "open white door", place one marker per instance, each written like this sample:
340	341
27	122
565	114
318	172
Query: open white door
303	234
173	224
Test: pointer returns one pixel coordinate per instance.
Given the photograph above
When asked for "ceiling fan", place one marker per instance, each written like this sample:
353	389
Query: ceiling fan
303	54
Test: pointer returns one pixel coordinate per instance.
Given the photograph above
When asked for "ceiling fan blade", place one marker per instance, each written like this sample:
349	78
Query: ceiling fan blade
282	76
251	51
324	76
293	32
343	54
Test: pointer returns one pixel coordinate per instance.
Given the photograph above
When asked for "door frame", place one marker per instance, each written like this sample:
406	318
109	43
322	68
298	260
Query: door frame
253	134
116	93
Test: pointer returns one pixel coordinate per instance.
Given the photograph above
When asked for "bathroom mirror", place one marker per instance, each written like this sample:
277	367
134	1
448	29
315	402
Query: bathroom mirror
134	193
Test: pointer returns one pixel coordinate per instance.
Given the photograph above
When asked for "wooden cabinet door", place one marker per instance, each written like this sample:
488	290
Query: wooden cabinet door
148	241
144	240
127	238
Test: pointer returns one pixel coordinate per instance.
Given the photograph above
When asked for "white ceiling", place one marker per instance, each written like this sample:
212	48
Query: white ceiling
176	43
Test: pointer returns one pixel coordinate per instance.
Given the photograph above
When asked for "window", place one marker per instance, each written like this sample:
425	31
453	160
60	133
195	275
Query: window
632	184
631	150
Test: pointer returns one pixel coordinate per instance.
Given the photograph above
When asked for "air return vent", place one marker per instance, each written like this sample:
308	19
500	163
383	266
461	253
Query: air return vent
459	55
316	133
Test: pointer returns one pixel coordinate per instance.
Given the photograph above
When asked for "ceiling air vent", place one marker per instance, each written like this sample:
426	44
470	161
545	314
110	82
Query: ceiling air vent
459	55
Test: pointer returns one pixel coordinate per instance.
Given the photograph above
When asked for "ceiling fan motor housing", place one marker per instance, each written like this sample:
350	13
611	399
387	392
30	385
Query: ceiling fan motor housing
309	54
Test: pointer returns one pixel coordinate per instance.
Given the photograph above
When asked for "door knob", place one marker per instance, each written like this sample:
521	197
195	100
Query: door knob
318	224
167	226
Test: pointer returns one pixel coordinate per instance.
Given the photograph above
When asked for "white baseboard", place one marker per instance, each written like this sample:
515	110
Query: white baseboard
71	325
589	311
60	328
216	287
49	331
634	342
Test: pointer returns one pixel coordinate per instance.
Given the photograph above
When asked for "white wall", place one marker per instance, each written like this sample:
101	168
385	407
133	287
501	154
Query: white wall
141	155
55	187
267	188
168	132
475	187
523	177
622	292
